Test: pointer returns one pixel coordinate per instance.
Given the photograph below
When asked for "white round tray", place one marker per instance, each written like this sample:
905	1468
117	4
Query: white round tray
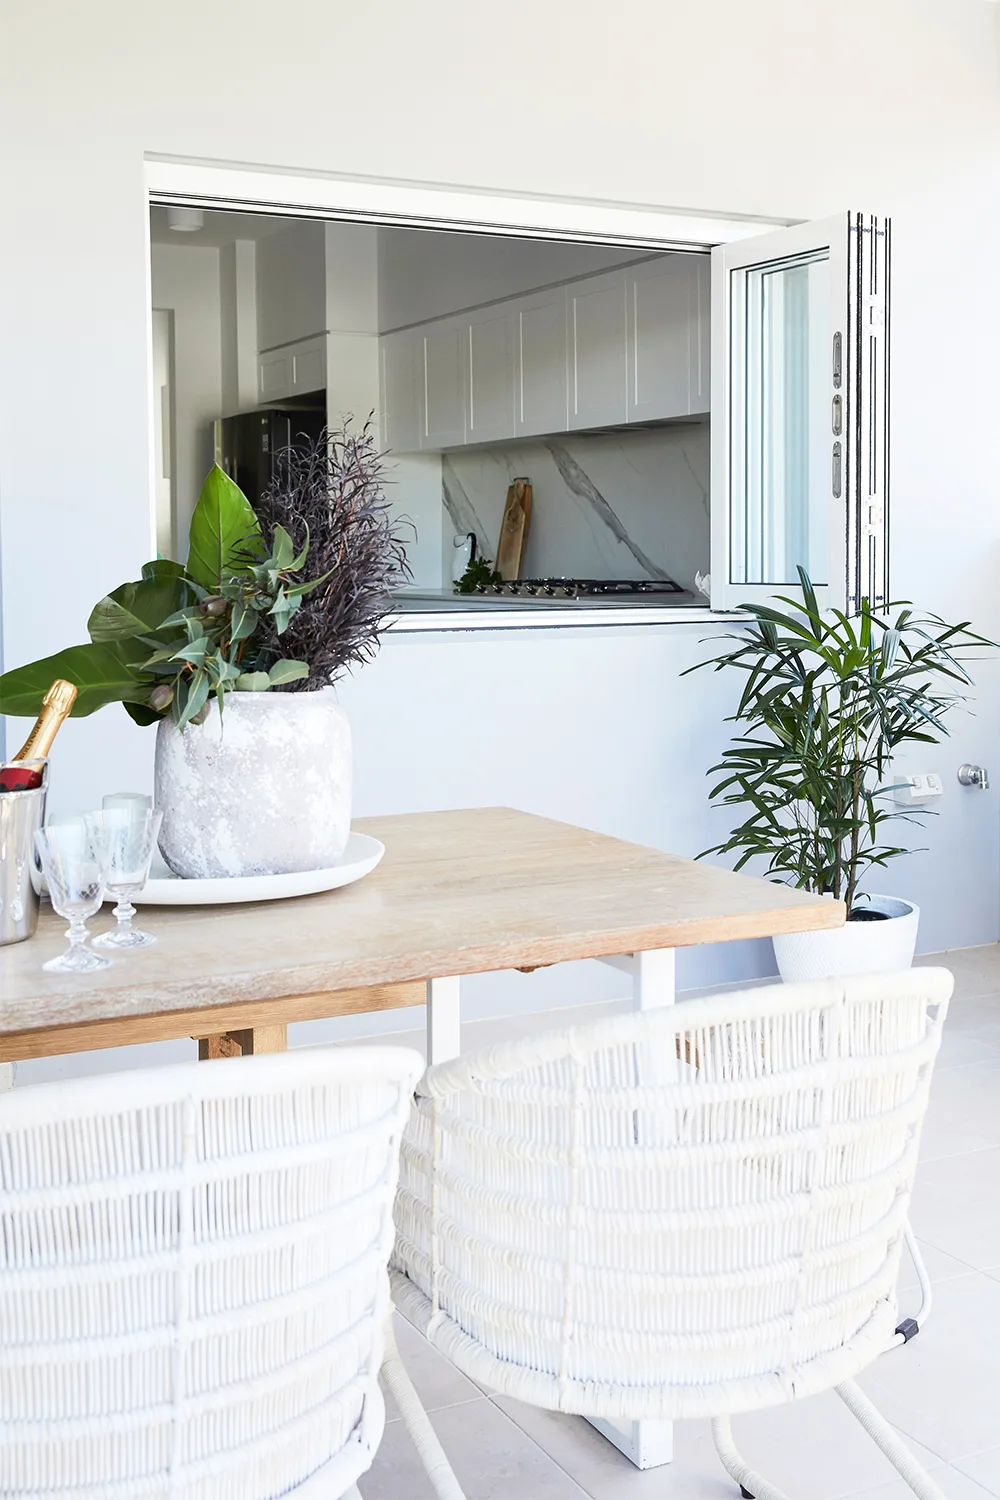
163	888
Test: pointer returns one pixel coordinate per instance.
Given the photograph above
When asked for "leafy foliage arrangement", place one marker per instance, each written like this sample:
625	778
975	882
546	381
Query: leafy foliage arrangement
479	574
240	616
827	701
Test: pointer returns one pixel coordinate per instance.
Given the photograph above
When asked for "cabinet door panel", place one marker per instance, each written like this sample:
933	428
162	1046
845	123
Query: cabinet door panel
275	375
444	384
598	395
662	297
490	355
542	400
309	366
402	381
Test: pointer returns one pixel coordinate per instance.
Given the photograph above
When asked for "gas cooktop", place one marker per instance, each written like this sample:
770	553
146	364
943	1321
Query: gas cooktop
580	588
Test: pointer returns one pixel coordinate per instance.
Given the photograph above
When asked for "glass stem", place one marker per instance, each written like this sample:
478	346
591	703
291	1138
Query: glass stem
77	934
124	912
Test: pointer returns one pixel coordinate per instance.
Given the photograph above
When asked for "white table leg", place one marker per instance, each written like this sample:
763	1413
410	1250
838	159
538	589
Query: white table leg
444	1019
654	978
647	1444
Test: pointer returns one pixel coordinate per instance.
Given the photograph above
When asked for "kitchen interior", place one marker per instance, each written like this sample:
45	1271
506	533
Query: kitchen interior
543	405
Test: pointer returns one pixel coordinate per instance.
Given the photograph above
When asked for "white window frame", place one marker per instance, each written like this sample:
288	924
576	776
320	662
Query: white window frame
226	186
857	247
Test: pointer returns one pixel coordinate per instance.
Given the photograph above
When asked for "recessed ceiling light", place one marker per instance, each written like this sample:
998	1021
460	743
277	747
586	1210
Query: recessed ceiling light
185	220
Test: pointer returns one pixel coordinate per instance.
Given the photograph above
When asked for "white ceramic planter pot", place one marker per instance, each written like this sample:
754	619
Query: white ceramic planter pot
855	948
265	789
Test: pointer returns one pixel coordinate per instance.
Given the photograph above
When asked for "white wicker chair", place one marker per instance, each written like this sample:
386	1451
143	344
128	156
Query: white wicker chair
193	1277
690	1212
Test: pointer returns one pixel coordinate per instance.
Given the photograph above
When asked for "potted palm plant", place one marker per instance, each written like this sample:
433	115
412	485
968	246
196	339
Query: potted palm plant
234	653
828	700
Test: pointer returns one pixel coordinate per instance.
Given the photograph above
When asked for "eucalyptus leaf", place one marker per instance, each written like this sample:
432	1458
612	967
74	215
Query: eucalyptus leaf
197	697
225	534
287	671
253	682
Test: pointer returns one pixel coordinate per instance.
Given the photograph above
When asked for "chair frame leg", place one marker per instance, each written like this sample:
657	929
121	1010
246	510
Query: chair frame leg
756	1487
750	1482
910	1327
892	1445
417	1422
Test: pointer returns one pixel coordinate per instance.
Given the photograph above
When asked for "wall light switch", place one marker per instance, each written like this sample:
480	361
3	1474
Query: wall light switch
917	789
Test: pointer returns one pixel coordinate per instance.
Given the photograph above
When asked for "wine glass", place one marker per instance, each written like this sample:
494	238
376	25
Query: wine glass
75	857
132	827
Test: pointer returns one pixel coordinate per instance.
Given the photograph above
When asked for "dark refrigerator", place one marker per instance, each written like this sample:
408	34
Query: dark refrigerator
247	446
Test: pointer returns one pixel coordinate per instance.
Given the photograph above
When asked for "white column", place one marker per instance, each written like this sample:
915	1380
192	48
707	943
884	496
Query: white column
444	1019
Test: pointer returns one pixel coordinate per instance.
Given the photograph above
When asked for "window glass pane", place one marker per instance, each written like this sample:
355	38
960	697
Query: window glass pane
781	442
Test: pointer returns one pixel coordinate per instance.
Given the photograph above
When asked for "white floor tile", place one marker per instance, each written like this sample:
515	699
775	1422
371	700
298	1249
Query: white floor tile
943	1386
984	1468
953	1485
492	1458
976	970
956	1206
940	1267
964	1113
972	1030
435	1377
814	1448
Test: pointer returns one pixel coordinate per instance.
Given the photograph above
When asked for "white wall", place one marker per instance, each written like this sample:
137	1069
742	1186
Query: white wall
186	282
427	275
291	284
763	110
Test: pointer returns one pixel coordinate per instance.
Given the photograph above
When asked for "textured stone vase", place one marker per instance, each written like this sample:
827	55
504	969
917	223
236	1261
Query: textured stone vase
265	789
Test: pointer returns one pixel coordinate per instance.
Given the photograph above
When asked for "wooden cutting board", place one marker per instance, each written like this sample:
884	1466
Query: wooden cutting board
514	529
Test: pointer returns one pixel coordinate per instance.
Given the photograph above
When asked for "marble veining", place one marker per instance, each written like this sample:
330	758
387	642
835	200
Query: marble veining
460	509
580	484
633	503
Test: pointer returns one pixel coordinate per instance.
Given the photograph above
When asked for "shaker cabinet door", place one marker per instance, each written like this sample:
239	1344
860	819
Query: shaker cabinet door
444	384
542	388
596	312
402	383
490	375
664	376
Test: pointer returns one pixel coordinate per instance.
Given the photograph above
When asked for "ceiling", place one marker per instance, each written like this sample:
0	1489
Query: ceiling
221	228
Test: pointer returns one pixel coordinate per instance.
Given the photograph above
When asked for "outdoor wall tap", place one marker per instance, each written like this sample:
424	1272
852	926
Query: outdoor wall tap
974	776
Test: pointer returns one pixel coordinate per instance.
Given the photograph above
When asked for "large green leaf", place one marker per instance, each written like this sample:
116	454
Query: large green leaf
225	533
138	608
99	672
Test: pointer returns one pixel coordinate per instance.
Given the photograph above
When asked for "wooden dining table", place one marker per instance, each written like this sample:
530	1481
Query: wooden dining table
457	892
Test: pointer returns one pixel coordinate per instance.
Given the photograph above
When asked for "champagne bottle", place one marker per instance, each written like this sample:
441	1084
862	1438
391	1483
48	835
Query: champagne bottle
24	773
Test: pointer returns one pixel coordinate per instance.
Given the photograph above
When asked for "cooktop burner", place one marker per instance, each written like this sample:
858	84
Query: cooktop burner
580	588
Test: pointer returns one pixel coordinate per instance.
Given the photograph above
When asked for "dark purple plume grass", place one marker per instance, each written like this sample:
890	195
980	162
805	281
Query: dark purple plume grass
334	487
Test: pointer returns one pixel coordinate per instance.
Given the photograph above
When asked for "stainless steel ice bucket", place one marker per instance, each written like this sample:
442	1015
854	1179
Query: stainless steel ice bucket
21	813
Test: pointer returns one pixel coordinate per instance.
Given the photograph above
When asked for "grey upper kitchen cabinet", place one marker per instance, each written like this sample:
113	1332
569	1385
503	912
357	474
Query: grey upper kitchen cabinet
444	384
668	337
597	346
402	380
542	373
490	386
294	370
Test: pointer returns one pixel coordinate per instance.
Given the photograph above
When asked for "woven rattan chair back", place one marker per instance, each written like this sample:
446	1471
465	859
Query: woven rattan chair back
193	1277
691	1211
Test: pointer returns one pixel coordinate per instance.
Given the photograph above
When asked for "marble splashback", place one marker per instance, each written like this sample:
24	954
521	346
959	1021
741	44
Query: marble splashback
628	504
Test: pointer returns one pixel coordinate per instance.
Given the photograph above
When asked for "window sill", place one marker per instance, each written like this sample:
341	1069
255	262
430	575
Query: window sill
458	615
